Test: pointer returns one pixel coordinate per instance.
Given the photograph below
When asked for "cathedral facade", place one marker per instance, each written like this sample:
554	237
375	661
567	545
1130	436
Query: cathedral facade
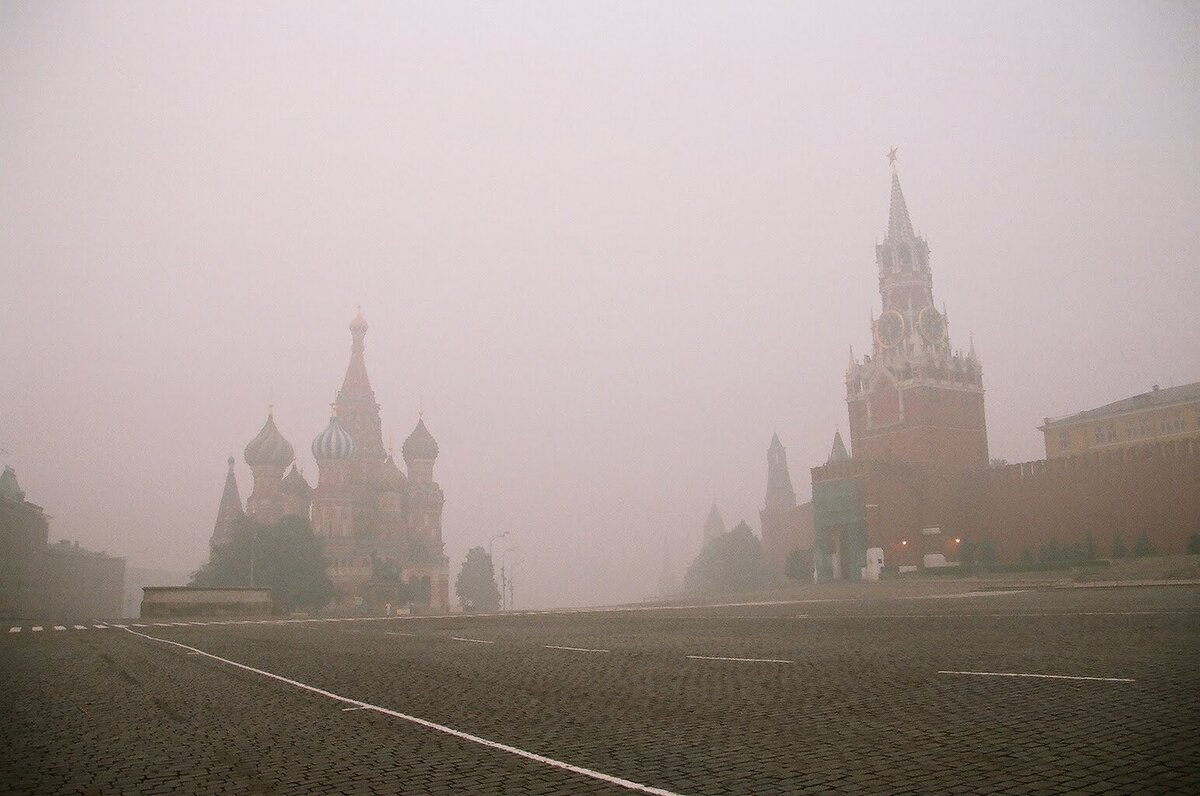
374	518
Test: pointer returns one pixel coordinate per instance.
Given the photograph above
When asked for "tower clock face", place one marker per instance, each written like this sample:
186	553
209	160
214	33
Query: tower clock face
931	325
889	329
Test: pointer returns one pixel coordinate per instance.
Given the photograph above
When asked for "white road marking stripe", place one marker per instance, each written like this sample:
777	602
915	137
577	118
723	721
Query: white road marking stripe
572	649
81	627
100	627
36	628
587	772
135	624
740	660
123	627
472	640
346	710
393	633
1046	676
59	627
14	630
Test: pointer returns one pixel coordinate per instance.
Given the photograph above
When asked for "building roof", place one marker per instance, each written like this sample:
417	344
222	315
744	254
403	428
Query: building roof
9	489
420	444
1156	398
269	447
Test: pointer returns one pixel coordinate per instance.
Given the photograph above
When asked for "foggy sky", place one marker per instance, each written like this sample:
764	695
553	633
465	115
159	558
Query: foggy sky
608	249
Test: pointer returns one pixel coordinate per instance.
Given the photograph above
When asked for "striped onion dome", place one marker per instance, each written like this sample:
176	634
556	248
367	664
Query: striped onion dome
420	444
269	447
333	443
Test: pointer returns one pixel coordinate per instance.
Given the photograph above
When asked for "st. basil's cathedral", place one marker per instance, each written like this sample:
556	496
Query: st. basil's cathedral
370	514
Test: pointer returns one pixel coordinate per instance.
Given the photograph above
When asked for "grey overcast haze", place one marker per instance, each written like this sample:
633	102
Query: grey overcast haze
606	248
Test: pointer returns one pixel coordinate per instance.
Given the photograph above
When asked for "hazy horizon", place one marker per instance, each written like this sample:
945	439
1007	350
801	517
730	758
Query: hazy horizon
607	250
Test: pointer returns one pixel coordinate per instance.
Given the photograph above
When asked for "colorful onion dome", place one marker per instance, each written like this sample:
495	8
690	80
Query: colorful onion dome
391	477
294	484
333	443
420	444
269	447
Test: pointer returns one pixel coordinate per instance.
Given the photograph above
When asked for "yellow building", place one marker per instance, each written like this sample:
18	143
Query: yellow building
1170	414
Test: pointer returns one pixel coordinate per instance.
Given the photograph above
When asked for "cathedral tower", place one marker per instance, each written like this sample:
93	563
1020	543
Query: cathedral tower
913	399
230	510
268	454
357	410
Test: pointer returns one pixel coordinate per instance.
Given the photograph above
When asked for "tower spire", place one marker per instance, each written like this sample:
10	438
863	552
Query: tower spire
899	224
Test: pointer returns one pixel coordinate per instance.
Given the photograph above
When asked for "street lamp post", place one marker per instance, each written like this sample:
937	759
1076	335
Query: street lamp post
490	541
504	575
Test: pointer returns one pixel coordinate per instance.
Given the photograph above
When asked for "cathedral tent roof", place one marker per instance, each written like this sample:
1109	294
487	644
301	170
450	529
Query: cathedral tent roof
899	224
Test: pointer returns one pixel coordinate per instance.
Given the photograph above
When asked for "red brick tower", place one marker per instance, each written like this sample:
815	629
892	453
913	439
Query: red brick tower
783	522
913	399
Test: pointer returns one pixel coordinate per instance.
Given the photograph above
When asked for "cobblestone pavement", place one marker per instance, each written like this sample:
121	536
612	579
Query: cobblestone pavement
862	696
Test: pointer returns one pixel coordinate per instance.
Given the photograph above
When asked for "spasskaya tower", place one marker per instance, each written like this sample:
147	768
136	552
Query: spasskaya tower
913	399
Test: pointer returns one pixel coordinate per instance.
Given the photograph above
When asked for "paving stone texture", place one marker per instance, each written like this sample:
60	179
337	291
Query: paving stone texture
860	708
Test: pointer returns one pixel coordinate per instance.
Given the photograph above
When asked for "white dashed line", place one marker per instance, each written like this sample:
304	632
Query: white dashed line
572	649
739	660
60	627
472	640
36	628
135	624
14	630
80	627
586	772
1046	676
100	627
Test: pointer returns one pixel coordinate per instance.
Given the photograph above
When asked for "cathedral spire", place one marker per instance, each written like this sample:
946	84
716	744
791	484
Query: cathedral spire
230	509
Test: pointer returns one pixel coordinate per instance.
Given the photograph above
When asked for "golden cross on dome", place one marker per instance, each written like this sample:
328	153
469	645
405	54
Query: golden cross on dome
891	156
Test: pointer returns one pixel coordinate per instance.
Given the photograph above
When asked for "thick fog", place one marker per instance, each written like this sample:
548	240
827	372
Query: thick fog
606	248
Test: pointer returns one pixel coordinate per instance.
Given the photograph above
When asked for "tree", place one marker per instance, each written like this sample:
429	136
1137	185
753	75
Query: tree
476	582
286	557
798	566
1119	550
1193	546
1142	546
731	562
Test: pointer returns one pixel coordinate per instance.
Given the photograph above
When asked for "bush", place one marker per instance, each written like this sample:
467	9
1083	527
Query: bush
1194	544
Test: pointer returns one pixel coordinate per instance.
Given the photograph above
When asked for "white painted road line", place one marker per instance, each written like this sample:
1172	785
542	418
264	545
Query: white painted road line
14	630
135	624
740	660
60	627
80	627
1046	676
36	628
100	627
472	640
586	772
572	649
393	633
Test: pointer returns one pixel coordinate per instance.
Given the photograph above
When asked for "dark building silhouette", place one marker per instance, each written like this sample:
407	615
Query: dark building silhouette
55	582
